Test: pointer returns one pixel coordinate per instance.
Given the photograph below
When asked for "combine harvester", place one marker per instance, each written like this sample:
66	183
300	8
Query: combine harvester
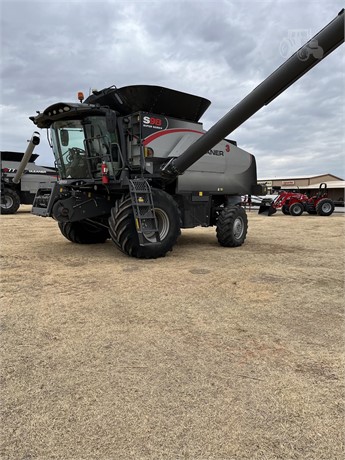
21	177
136	166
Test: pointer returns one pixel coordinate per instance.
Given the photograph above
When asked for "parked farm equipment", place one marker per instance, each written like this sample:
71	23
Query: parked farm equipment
136	165
294	203
21	177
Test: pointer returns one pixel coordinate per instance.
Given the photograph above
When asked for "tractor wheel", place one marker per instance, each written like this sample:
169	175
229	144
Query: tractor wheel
124	234
83	232
232	226
325	207
10	201
296	209
285	210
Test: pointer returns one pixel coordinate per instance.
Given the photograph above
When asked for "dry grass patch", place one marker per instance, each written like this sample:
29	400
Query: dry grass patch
209	353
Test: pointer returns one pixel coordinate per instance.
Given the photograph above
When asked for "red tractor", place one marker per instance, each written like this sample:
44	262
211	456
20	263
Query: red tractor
294	204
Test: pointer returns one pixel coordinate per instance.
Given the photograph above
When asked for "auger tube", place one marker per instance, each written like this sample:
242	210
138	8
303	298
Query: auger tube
35	140
327	40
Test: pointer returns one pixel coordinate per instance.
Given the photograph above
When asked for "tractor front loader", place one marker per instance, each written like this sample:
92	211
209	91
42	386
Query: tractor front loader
294	204
135	164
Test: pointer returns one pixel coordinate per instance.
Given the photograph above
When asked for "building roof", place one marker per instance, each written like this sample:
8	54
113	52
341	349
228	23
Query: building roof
299	177
330	184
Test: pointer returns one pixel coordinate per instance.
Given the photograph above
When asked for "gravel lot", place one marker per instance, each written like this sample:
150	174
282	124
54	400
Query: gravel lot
209	353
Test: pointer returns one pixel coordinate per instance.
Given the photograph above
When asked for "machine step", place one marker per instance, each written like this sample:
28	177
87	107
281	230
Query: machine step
143	209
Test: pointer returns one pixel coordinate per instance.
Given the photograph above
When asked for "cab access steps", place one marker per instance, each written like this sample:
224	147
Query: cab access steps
143	209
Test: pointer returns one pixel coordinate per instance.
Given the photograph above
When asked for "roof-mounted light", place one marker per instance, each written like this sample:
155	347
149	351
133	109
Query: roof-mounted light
80	96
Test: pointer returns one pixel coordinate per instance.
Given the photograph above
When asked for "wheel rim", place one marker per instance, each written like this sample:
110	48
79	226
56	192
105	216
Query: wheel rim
7	202
163	224
238	227
326	207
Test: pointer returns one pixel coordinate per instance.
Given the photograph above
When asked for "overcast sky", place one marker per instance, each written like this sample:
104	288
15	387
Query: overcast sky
219	49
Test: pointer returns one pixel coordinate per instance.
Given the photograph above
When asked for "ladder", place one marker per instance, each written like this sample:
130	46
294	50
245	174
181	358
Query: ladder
143	209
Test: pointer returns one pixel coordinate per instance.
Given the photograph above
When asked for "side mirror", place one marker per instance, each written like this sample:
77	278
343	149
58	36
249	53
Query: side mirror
64	136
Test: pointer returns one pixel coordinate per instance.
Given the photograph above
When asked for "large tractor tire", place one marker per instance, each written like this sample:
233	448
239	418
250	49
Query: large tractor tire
232	226
285	210
83	232
10	201
124	234
296	209
325	207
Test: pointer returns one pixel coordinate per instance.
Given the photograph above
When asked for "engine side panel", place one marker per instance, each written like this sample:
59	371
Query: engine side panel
225	169
34	176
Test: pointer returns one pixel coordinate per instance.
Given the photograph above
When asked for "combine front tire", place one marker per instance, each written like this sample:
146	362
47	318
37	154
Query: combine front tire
232	226
83	232
325	207
10	201
296	209
124	234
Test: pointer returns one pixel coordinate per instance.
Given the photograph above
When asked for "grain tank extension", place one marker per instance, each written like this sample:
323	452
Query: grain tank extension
135	164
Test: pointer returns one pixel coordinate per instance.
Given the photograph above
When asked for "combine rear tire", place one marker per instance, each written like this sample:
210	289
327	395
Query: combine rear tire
83	232
285	210
123	231
296	209
232	226
10	201
325	207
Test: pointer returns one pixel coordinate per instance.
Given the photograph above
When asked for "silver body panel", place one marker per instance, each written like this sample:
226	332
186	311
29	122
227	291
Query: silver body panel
34	176
225	169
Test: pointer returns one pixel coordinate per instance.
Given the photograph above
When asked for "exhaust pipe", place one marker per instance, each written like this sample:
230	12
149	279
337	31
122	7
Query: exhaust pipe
35	140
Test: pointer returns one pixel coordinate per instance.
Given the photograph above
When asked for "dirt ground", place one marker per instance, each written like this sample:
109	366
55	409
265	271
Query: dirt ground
209	353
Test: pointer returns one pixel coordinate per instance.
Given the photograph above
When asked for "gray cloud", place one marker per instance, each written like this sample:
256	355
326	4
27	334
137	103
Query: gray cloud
217	49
